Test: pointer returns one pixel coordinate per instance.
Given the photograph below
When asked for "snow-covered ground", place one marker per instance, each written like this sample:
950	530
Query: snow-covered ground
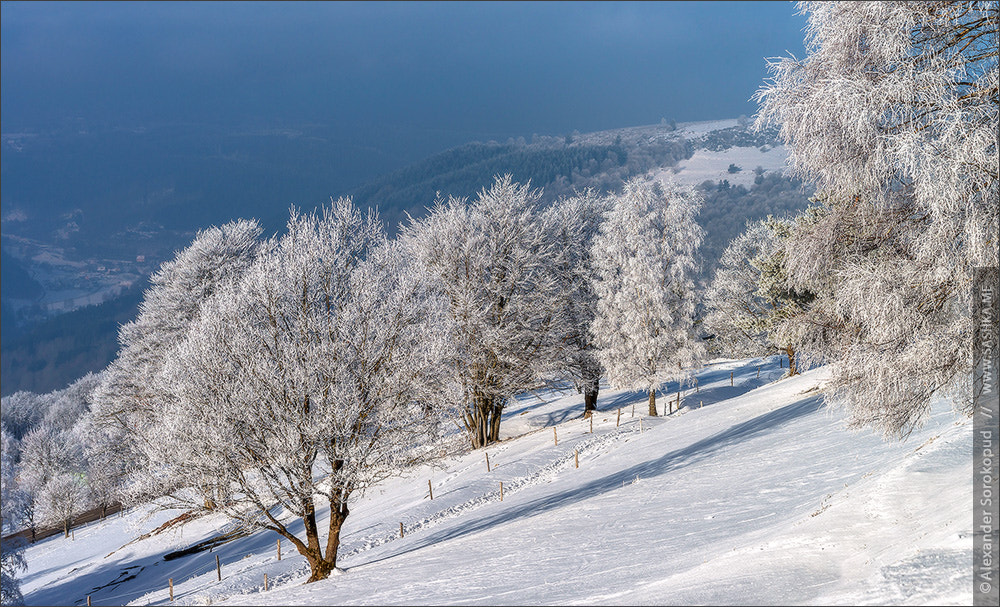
706	164
752	493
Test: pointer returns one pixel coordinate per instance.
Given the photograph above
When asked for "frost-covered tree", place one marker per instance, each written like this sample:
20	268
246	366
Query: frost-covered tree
494	262
61	498
46	453
752	308
127	395
108	459
64	408
894	115
310	376
572	224
644	256
12	501
21	411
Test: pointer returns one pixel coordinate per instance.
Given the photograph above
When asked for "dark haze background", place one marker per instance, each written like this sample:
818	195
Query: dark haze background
127	126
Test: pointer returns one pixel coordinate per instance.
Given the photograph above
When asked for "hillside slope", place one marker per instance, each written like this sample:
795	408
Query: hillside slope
752	494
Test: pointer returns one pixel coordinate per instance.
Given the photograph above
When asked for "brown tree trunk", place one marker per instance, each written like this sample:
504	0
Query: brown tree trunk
589	401
591	387
496	411
792	369
652	403
320	565
320	568
66	528
483	421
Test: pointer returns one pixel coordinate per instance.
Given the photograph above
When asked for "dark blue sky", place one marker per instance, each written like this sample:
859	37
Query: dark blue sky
462	70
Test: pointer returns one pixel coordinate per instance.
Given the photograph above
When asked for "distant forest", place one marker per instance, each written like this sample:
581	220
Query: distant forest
50	355
556	165
729	208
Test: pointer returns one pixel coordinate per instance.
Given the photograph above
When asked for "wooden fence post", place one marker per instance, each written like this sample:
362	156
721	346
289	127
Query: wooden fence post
576	456
758	372
619	420
401	529
487	461
430	490
501	491
88	600
218	568
171	582
265	582
730	378
591	424
555	437
279	548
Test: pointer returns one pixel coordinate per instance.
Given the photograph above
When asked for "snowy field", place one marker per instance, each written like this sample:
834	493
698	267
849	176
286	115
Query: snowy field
706	164
751	494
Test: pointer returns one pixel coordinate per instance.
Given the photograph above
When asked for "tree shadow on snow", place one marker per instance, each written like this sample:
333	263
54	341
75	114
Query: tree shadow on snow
669	462
124	579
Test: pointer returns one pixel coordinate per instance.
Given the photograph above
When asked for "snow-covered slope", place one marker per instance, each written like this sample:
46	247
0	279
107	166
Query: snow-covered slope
708	165
752	493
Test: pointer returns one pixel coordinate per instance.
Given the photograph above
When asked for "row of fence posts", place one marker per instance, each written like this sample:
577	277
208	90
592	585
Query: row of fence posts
430	488
218	571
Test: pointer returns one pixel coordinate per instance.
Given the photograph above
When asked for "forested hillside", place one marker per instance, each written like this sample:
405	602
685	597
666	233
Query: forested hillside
557	166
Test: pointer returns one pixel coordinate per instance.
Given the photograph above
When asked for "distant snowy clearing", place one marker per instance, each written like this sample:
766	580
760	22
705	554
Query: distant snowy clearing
752	494
714	166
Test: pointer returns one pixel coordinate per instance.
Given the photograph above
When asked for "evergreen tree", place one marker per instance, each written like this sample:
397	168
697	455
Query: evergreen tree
752	308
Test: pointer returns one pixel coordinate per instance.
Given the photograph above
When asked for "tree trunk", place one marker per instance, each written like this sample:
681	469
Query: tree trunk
591	386
483	421
496	412
792	369
321	569
652	403
66	528
320	565
589	401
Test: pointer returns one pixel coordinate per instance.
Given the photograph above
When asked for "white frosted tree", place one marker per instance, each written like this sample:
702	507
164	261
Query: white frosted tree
64	408
46	453
493	261
64	496
21	411
894	115
752	309
308	378
644	256
127	396
12	503
108	459
572	224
